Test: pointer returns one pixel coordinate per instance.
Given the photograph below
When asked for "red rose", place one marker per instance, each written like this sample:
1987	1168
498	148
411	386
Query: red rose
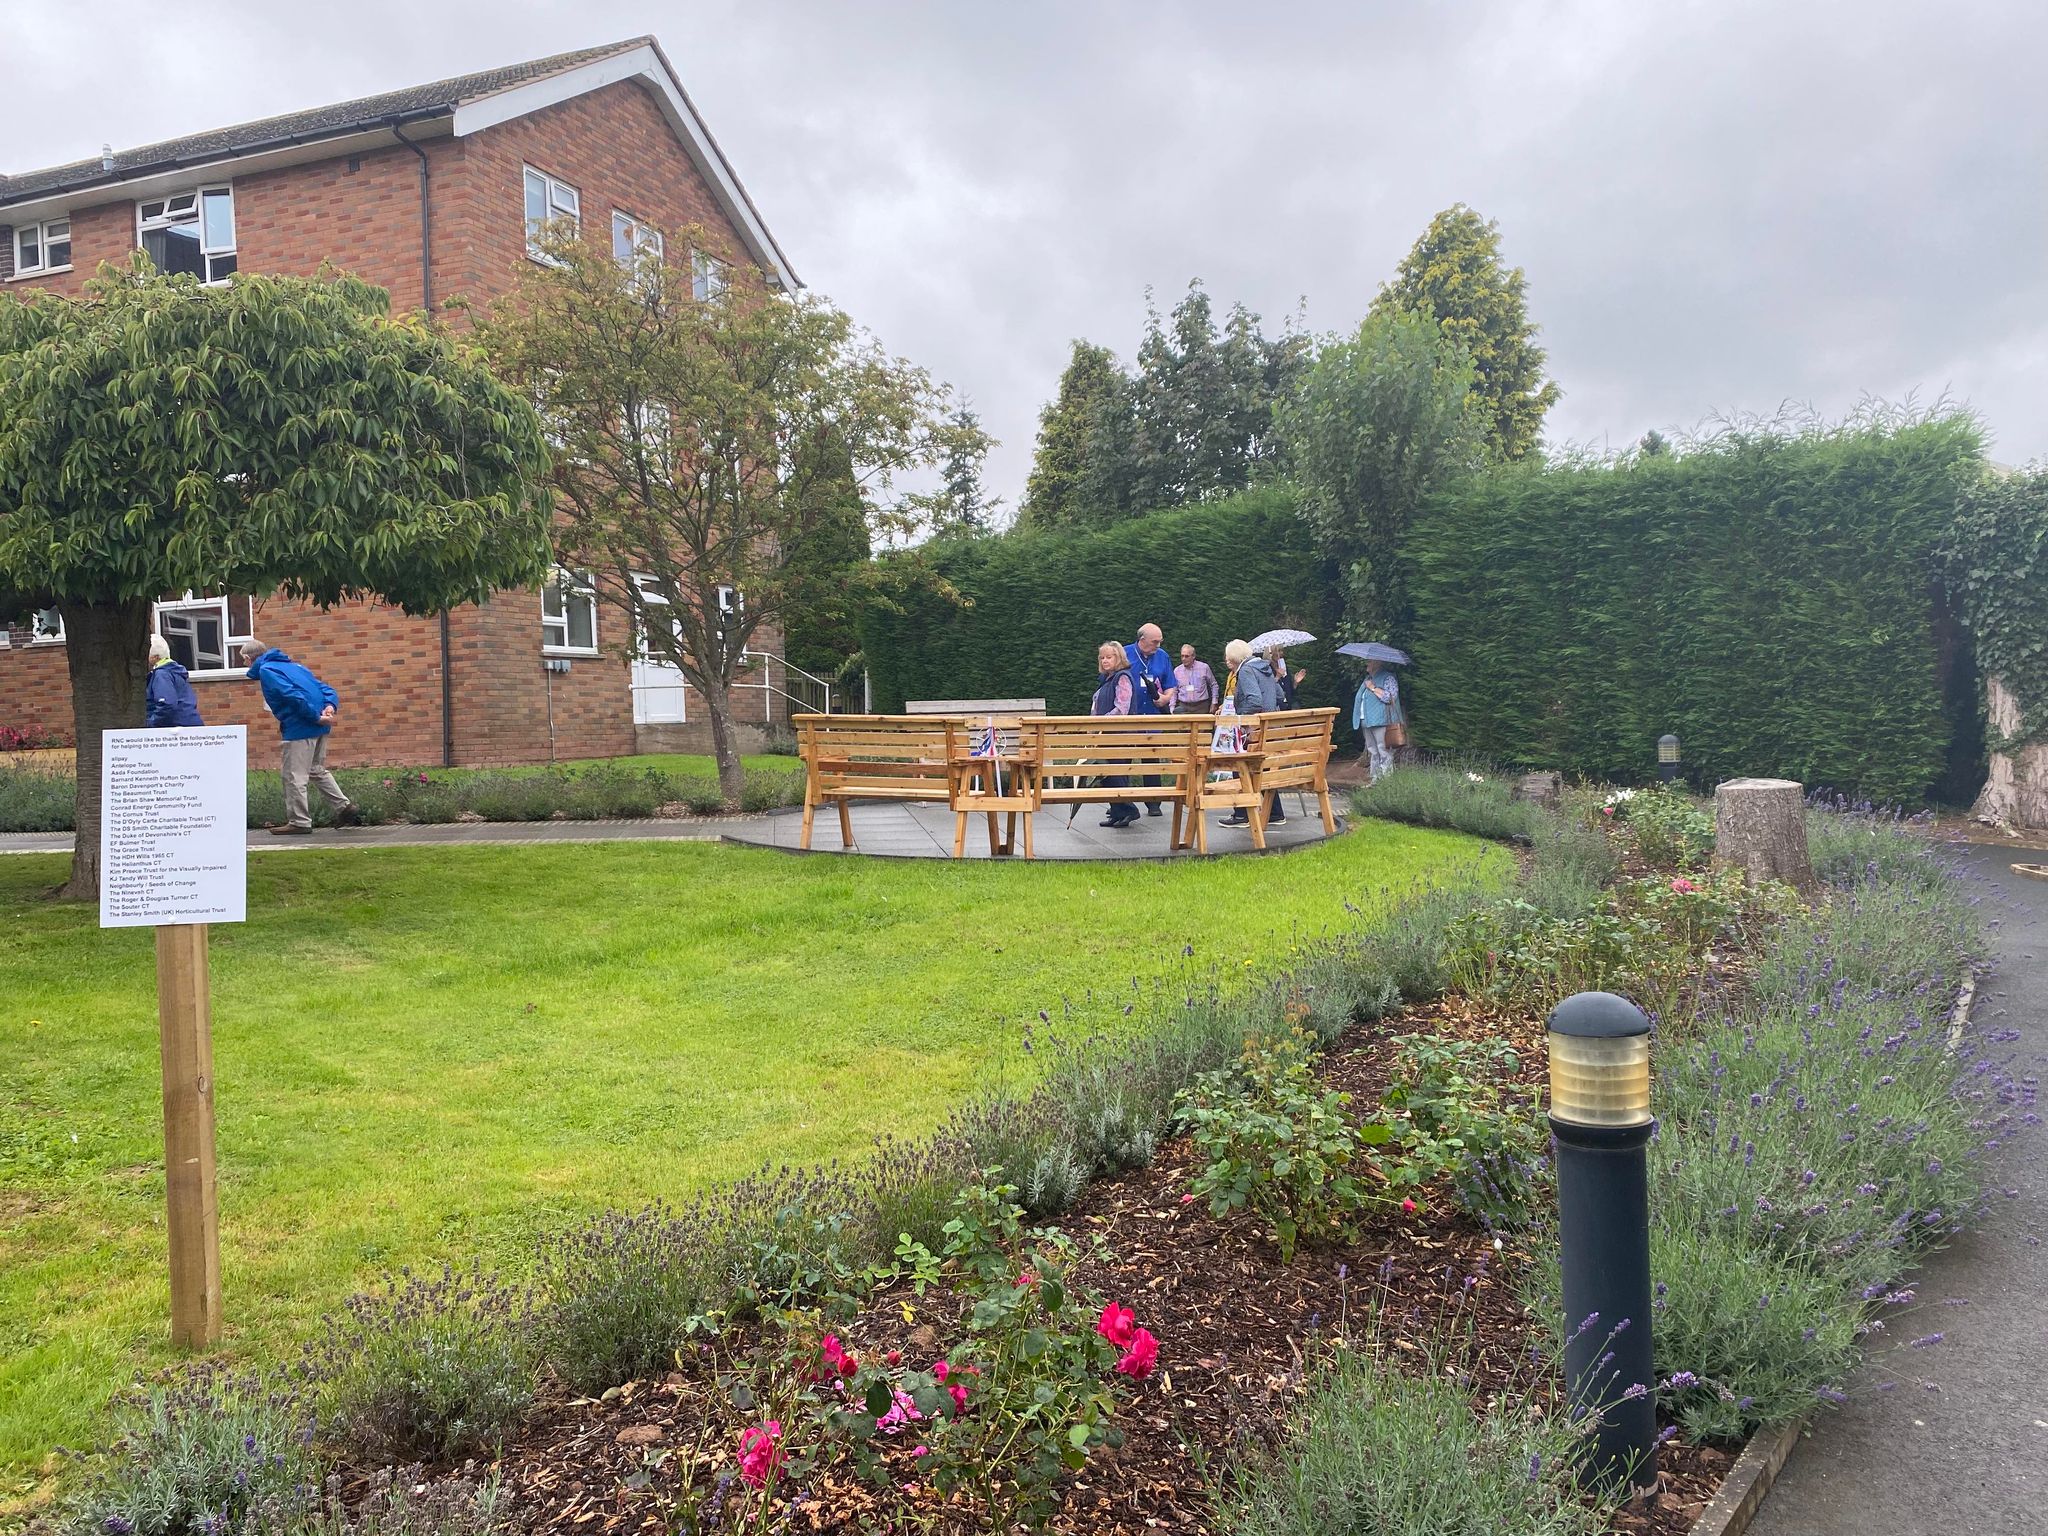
1117	1324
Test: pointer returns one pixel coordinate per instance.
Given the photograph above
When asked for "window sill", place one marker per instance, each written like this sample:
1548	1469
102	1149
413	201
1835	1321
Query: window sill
543	259
230	675
22	277
571	652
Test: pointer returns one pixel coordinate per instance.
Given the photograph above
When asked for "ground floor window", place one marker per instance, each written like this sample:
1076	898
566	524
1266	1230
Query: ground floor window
206	634
568	614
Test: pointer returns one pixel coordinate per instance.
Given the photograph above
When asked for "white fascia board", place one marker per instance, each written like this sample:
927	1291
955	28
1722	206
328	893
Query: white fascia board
645	65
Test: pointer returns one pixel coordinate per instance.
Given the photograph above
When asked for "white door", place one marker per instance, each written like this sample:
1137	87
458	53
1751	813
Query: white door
658	690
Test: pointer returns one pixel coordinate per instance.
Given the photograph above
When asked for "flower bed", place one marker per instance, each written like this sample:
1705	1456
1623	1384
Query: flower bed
898	1348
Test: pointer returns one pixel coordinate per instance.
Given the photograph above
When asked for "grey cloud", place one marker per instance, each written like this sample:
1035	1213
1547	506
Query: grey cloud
1719	206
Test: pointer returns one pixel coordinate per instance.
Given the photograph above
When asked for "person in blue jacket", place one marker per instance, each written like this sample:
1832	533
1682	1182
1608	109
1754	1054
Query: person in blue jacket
305	709
169	698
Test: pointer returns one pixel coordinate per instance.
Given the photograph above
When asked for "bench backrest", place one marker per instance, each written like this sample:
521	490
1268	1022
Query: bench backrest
1295	744
873	751
1090	746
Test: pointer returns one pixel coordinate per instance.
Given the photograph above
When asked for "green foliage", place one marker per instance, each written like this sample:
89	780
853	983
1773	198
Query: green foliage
1995	561
1455	275
1670	829
1041	602
1279	1146
1371	1448
196	1454
391	1501
1765	596
963	506
1464	799
433	1367
825	568
1381	419
1195	422
1468	1123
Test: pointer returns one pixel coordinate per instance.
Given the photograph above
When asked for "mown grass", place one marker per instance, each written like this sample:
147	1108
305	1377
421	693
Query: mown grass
437	1052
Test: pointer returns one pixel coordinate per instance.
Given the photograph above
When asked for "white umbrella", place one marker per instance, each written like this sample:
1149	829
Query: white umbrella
1279	639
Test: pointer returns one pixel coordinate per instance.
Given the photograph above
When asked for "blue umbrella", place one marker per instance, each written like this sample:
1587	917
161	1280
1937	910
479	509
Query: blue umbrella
1372	650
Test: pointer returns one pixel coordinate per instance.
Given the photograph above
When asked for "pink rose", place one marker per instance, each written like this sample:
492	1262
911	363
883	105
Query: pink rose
1141	1357
1683	886
1118	1325
760	1452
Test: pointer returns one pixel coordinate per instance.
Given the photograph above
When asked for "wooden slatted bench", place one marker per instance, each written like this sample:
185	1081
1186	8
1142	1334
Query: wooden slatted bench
871	757
1073	753
1294	753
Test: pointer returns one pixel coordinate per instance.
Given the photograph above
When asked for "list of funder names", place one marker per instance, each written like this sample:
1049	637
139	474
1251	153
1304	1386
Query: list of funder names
174	812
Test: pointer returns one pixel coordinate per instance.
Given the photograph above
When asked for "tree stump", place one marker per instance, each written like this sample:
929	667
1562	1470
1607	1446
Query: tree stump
1544	789
2015	793
1760	829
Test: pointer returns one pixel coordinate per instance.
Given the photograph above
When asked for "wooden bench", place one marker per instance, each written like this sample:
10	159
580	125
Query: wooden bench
871	757
1294	753
1073	753
994	773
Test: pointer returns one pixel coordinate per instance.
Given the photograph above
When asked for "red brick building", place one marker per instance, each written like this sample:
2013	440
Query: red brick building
430	193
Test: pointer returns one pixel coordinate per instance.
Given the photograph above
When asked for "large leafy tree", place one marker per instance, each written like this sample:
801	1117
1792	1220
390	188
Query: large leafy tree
1455	273
680	425
1079	472
828	571
1381	418
964	506
275	433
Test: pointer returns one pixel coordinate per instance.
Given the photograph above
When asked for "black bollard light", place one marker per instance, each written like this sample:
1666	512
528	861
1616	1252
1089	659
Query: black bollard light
1600	1117
1667	757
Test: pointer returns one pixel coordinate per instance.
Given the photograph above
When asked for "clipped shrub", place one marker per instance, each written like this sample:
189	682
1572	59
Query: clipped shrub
35	802
435	1367
193	1456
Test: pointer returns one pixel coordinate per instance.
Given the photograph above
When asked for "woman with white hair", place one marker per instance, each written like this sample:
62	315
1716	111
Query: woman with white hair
170	699
1252	690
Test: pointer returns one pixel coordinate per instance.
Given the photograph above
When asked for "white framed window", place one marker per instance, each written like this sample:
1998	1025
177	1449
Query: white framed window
206	634
568	614
653	428
44	247
634	239
190	232
708	277
46	627
549	200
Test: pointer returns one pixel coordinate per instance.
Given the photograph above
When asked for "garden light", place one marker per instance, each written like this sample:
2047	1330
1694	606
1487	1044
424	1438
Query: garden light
1600	1118
1667	757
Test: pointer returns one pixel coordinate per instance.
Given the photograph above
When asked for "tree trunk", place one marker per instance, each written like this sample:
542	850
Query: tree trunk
718	704
1760	829
2015	795
107	650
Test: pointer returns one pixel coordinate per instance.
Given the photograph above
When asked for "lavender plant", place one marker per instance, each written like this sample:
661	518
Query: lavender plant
401	1501
435	1366
194	1455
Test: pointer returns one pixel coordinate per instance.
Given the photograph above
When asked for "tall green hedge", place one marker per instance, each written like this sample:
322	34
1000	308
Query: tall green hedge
1042	602
1771	599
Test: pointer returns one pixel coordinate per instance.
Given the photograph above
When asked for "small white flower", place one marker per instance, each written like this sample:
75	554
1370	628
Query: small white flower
1496	1245
1476	778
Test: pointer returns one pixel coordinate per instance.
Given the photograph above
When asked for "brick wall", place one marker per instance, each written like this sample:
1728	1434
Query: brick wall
361	213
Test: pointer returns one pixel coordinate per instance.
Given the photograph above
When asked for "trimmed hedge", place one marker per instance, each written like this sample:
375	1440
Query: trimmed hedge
1042	602
1772	599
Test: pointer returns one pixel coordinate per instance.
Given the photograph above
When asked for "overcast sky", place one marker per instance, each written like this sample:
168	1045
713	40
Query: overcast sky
1720	207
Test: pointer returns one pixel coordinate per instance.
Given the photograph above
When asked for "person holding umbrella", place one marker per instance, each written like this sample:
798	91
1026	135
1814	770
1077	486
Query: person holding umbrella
1115	694
1376	707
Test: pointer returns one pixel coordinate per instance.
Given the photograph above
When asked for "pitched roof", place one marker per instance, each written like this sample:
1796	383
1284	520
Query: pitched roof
419	101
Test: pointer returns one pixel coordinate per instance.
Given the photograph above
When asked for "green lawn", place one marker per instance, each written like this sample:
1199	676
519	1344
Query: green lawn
429	1052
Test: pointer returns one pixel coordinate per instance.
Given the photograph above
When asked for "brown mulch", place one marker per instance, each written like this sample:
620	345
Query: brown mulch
1237	1330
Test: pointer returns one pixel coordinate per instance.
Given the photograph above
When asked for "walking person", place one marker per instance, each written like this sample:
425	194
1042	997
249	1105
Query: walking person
1283	686
305	709
1252	690
1195	690
1116	693
1153	675
169	697
1376	706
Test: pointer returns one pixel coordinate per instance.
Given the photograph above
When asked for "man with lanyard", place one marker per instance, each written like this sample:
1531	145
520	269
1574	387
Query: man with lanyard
1194	685
1153	675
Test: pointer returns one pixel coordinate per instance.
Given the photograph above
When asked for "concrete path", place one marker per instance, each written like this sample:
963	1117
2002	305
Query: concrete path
1959	1445
926	832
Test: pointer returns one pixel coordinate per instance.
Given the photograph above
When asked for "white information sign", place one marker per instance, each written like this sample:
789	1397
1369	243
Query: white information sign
174	820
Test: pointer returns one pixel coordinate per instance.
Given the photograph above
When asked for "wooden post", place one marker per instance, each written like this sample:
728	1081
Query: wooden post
185	1017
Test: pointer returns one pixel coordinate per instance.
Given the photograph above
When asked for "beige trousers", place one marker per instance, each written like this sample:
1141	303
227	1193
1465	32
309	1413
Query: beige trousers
304	760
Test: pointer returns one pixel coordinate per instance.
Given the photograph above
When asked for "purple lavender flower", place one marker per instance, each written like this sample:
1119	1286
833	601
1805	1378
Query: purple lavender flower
1925	1340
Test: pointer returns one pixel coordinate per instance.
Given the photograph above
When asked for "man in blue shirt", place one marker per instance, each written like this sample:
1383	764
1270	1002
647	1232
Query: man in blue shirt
1153	674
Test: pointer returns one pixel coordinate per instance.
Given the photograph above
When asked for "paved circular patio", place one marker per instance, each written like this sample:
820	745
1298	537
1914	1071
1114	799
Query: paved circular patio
888	831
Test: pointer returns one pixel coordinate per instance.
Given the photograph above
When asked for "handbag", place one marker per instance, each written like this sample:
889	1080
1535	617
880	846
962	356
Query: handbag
1396	731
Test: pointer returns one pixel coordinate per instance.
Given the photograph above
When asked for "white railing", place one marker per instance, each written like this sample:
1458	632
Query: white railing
803	692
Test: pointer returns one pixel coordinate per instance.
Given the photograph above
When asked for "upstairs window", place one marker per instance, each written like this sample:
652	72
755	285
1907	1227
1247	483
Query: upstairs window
191	232
707	276
652	428
568	614
549	202
205	634
44	247
634	240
